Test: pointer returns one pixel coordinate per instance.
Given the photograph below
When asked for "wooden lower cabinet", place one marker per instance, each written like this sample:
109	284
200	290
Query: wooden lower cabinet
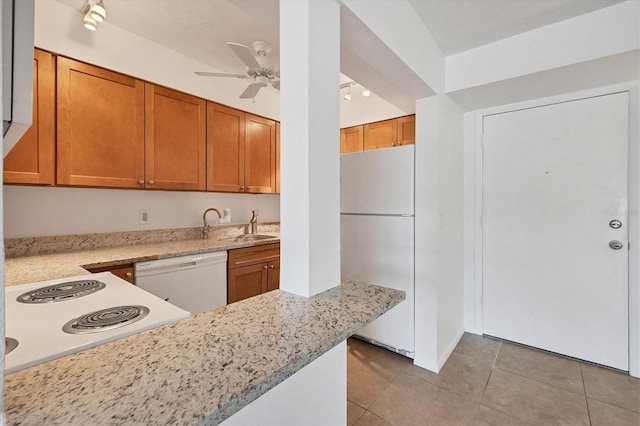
123	271
273	282
247	282
252	271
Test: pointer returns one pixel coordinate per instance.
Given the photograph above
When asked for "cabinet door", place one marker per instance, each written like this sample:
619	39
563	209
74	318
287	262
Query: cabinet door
382	134
32	159
351	139
273	282
277	157
225	148
406	130
260	155
125	272
100	127
246	282
175	139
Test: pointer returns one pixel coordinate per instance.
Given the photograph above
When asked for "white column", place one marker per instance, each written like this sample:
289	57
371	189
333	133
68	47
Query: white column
310	145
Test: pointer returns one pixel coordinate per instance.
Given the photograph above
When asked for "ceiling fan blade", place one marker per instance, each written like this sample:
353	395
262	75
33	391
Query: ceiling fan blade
245	54
220	74
252	90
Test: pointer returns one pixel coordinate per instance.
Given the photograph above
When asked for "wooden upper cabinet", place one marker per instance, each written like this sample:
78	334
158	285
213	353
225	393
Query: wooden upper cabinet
175	140
277	157
382	134
260	155
225	148
32	159
351	139
100	127
406	130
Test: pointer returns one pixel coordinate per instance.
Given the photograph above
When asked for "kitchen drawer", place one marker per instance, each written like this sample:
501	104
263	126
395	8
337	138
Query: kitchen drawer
253	255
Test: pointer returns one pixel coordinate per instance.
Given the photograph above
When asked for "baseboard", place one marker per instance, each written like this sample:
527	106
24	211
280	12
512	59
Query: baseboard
445	356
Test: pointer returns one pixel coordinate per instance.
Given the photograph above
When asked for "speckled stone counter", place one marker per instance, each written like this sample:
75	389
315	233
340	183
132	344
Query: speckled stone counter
28	269
200	370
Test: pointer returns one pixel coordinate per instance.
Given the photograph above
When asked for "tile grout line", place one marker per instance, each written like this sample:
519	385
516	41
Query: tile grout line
586	401
495	358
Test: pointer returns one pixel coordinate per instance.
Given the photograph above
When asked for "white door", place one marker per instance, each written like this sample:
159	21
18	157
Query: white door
554	177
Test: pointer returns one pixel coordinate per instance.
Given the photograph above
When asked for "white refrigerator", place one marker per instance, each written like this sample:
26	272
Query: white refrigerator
377	235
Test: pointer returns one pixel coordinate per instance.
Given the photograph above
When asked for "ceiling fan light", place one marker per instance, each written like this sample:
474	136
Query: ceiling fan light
366	93
90	23
98	11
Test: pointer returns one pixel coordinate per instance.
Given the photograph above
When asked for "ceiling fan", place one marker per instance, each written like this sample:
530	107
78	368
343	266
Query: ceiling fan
261	76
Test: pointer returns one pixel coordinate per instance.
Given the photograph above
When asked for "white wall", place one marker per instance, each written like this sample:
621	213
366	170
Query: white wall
426	232
40	211
449	240
438	235
315	395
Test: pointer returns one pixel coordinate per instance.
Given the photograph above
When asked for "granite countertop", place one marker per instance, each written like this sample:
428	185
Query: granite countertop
29	269
200	370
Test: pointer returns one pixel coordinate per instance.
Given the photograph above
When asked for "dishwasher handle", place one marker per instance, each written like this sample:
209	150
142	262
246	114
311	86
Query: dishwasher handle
163	266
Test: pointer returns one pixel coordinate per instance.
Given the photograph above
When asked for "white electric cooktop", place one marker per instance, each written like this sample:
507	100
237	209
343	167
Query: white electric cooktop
51	319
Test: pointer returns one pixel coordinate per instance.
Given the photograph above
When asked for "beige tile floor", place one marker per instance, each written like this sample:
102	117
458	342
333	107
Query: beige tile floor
486	382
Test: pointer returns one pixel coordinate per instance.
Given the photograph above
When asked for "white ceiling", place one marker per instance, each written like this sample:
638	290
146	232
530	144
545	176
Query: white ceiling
459	25
200	28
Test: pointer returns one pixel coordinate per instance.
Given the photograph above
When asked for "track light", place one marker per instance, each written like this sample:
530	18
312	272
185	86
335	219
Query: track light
98	11
366	93
347	97
94	12
89	22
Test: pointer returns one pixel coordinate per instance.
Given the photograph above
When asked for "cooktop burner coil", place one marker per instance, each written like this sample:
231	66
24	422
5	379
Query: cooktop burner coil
61	292
106	319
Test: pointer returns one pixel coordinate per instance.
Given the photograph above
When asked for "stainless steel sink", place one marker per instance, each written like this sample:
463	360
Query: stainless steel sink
253	237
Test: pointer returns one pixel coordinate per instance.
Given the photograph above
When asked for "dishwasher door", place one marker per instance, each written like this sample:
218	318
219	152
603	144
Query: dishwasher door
196	283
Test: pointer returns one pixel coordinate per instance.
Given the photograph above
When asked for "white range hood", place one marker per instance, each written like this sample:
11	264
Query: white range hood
17	70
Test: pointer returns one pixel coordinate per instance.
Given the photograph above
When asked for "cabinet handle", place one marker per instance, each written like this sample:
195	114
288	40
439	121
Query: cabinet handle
264	267
151	182
128	274
270	266
242	188
141	182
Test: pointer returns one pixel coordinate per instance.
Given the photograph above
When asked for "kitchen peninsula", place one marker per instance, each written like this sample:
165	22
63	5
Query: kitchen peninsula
200	370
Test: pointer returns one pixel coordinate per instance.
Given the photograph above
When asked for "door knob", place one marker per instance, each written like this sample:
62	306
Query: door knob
616	245
615	224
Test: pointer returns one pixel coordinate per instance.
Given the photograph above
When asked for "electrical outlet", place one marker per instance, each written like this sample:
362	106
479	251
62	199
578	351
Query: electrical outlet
144	217
226	216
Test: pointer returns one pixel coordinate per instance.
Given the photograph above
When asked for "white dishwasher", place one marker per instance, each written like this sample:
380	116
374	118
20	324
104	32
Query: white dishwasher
196	283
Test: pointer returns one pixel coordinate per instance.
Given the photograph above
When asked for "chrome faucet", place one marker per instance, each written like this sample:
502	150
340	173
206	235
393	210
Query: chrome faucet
205	230
253	223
